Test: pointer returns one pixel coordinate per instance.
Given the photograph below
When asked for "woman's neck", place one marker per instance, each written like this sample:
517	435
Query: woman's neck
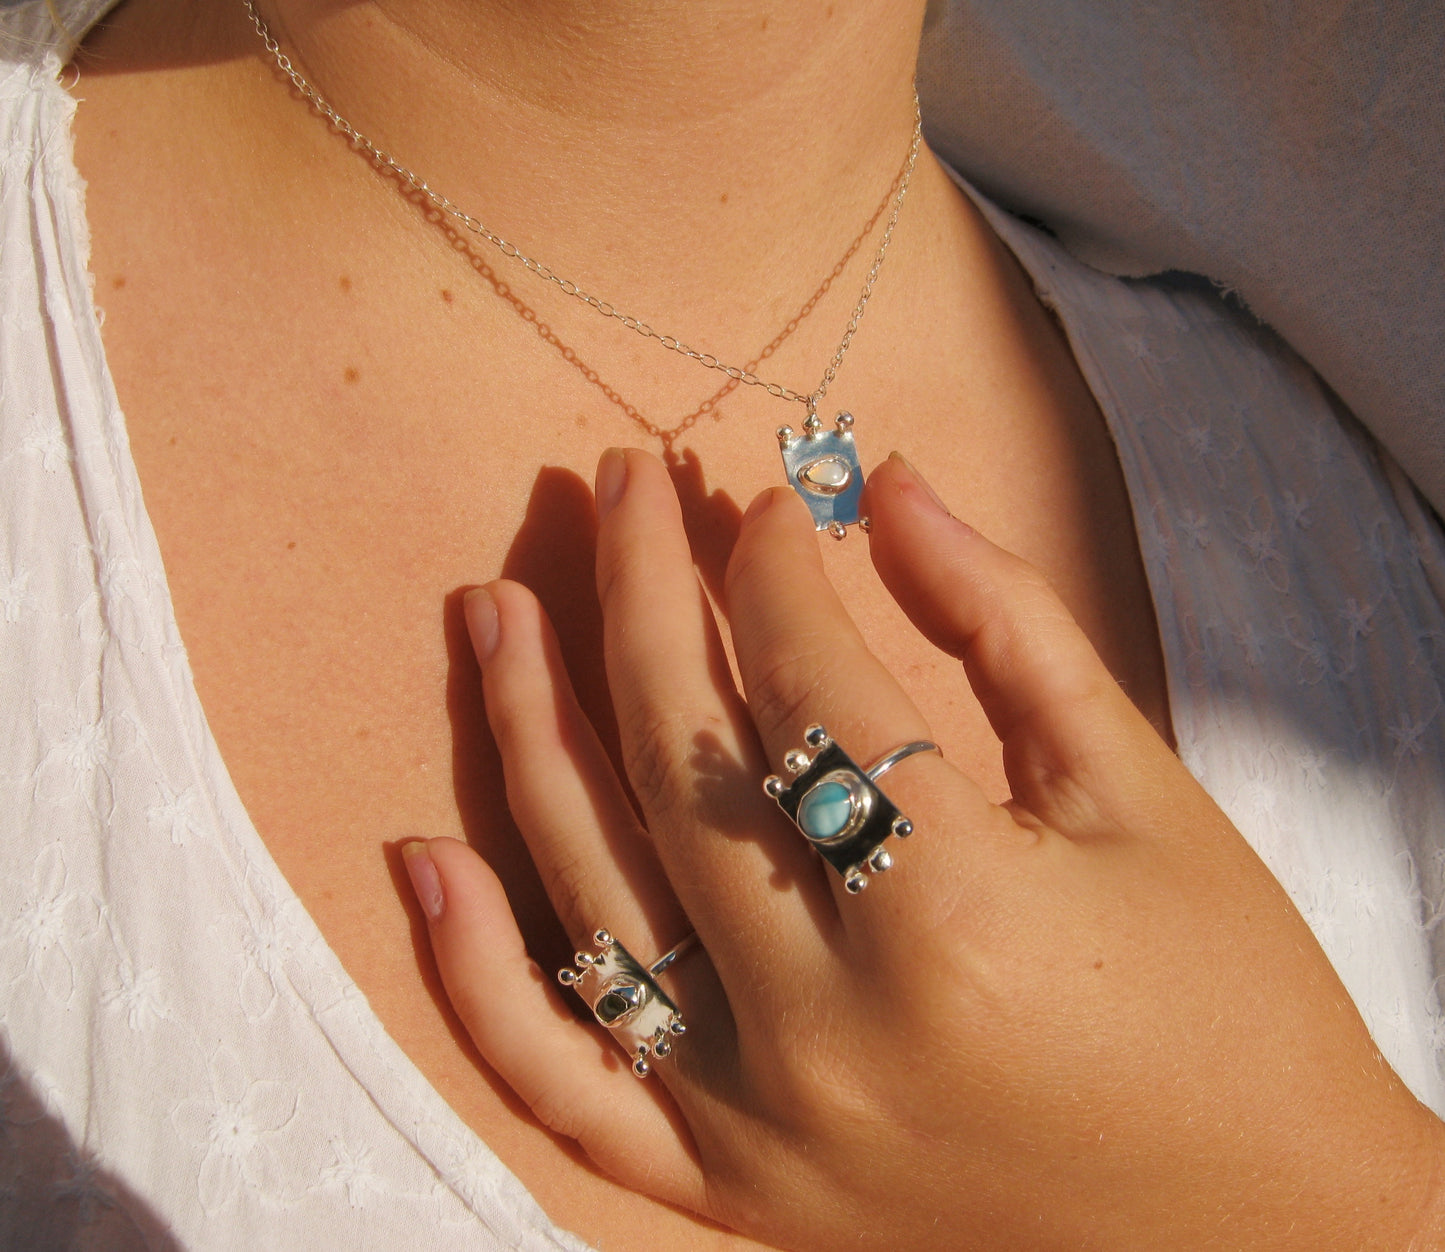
652	150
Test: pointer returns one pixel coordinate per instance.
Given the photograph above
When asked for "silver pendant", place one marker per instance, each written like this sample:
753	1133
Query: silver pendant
822	467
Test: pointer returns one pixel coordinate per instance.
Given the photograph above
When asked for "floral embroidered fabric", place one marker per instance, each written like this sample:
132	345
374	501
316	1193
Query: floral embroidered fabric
183	1061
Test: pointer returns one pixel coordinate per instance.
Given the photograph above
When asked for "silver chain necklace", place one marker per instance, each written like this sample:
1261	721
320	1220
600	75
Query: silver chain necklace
822	466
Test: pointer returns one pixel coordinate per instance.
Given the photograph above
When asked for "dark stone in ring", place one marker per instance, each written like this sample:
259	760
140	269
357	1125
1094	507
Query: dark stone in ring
624	996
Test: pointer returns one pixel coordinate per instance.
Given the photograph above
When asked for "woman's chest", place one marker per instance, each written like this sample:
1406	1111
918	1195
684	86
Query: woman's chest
334	441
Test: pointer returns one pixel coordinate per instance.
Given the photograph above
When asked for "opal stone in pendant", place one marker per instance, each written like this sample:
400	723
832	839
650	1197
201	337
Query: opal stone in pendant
822	467
826	476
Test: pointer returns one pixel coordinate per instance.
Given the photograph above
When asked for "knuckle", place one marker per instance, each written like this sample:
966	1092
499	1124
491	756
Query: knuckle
556	1108
510	721
567	888
1002	647
823	1087
741	567
620	567
653	757
992	646
784	683
1028	578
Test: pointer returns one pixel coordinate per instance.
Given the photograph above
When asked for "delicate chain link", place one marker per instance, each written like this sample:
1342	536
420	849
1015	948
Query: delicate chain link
386	161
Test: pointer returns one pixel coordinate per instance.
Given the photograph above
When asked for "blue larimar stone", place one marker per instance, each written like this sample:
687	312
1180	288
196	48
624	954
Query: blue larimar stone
825	811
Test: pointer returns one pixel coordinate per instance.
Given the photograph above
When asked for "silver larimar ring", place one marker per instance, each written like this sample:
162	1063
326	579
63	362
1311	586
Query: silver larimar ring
624	996
835	803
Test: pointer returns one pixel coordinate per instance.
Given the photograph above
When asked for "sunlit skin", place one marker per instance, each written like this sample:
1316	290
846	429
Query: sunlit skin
1011	1039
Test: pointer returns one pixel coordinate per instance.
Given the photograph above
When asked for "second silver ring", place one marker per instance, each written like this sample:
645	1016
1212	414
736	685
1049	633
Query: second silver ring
624	996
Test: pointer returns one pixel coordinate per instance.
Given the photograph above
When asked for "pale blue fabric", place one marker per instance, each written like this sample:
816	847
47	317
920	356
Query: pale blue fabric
1292	152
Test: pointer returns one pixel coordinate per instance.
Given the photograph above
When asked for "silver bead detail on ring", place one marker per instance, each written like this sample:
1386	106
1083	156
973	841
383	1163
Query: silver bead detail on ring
624	996
838	808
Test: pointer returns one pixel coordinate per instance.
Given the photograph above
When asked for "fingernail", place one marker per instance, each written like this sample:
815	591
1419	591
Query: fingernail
480	611
425	880
611	480
920	480
758	506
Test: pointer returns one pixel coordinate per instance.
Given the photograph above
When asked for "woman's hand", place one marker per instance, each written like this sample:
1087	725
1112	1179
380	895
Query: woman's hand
1086	1018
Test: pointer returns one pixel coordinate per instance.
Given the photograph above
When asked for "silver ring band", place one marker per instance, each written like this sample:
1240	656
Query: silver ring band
668	957
889	760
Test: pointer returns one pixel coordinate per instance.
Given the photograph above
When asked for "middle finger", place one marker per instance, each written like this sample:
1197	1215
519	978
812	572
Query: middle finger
689	748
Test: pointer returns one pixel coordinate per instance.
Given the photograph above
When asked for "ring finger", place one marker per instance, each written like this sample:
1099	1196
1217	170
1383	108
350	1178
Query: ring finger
595	860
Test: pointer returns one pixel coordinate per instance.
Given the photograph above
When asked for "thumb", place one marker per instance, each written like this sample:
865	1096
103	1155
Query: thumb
1074	747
